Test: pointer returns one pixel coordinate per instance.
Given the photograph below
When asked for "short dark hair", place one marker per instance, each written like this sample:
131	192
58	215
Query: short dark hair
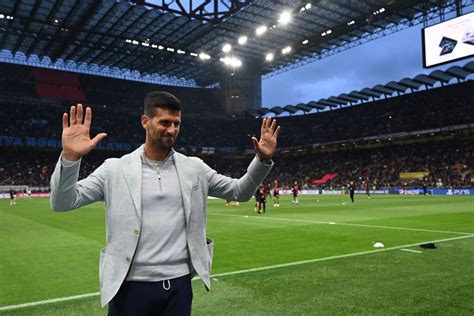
160	99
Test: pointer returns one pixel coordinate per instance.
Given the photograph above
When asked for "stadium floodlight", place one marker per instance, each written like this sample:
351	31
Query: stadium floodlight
231	61
305	42
236	62
260	30
285	18
326	33
381	10
269	57
286	50
242	40
204	56
226	48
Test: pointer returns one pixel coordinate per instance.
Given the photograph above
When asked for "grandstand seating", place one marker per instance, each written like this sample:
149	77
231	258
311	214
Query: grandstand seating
66	88
449	162
431	109
117	107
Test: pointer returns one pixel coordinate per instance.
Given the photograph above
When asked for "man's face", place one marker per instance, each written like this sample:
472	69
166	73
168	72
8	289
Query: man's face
162	129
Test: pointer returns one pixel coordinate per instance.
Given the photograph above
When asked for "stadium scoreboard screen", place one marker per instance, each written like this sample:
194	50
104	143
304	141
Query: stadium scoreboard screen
448	41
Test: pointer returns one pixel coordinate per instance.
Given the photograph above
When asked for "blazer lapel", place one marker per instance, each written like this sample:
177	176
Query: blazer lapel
132	169
185	183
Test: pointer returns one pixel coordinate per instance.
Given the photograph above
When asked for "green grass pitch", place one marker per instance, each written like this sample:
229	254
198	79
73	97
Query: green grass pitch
315	258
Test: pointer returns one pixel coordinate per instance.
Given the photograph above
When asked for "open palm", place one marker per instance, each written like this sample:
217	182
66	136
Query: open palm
76	139
266	145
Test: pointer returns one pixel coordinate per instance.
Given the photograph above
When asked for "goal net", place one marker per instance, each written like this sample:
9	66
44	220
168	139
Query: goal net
20	190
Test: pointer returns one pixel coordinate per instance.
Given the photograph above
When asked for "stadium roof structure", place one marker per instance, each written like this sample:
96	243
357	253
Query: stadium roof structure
183	41
378	91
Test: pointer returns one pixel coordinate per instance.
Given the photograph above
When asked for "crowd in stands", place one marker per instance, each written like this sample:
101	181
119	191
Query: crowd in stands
30	82
448	162
424	110
117	107
24	166
412	112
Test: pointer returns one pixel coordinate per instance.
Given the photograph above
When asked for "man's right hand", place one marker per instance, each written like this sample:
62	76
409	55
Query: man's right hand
76	140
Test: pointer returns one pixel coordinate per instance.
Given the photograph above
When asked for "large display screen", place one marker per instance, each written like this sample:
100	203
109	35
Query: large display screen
448	41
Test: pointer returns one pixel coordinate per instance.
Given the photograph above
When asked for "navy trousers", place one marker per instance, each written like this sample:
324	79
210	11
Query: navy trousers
169	297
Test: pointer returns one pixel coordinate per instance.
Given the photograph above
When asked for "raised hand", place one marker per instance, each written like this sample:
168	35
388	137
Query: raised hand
76	140
265	147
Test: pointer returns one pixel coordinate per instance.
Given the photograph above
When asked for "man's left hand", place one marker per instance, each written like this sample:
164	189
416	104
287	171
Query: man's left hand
265	147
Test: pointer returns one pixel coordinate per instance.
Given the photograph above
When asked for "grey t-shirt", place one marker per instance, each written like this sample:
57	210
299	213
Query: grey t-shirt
162	251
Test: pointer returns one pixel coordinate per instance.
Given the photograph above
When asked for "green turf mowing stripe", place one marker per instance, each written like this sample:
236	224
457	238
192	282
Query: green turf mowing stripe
345	224
50	301
289	264
278	266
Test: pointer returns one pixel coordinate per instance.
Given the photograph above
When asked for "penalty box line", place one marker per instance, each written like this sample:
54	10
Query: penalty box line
277	266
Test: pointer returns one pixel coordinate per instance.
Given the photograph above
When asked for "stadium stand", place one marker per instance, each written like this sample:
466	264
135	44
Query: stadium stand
391	138
448	162
66	87
371	140
440	107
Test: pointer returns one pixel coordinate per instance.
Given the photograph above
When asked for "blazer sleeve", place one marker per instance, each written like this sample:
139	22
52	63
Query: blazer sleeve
241	189
67	193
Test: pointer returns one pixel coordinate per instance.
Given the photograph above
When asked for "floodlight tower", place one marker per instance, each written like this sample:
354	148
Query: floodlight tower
242	89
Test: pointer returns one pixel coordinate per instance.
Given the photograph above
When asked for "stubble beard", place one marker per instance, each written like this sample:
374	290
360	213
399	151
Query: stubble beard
163	143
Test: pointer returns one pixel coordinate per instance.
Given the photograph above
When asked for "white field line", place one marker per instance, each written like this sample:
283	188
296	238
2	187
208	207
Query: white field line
344	224
411	250
53	300
284	265
277	266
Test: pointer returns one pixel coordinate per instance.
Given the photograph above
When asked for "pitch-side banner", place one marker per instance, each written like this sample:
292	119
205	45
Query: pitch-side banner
452	191
414	175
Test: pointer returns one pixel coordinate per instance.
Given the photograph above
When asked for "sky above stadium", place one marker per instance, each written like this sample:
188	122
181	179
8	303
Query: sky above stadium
392	57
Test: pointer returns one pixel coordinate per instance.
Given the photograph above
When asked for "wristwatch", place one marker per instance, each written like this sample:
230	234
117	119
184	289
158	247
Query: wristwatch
267	161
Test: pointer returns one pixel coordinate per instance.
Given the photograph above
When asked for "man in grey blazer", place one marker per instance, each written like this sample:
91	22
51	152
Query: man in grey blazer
156	201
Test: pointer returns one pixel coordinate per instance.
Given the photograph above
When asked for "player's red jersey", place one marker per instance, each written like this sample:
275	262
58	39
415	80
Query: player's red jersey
296	189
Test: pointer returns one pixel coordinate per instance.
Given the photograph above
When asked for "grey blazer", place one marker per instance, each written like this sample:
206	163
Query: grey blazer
118	182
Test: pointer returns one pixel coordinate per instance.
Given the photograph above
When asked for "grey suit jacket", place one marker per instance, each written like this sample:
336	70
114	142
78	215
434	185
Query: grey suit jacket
118	181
